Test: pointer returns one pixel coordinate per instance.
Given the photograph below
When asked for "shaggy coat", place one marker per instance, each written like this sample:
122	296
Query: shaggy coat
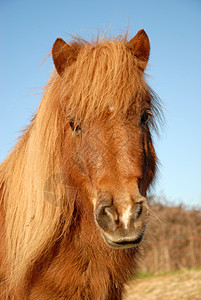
73	190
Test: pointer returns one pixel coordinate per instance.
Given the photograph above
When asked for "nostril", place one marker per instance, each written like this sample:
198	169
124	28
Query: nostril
111	213
138	209
106	216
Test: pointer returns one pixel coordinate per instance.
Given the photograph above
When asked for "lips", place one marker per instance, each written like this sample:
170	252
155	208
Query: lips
125	243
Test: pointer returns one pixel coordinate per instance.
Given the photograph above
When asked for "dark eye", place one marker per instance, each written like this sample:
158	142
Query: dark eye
75	128
145	117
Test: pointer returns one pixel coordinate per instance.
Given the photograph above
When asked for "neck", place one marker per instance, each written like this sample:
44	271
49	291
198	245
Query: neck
82	266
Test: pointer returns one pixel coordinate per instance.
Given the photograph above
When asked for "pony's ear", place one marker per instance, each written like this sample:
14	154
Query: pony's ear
63	55
140	47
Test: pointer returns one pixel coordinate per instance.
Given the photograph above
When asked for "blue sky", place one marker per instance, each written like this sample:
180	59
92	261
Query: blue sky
28	30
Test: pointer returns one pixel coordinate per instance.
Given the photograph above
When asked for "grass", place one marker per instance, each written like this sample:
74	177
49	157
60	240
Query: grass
144	274
175	285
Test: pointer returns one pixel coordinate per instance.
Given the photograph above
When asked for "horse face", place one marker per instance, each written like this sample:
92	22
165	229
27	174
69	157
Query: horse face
111	159
114	162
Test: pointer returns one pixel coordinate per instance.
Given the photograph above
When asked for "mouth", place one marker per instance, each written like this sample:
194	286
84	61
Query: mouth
125	243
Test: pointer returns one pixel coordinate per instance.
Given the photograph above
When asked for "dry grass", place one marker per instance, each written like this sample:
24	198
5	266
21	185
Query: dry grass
185	285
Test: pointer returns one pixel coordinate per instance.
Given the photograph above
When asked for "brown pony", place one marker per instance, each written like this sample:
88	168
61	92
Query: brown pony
73	190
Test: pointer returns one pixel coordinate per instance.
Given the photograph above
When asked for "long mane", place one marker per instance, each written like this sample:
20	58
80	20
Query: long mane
104	75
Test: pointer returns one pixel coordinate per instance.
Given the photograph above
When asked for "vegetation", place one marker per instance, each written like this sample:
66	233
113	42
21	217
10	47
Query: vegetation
173	239
171	264
143	274
177	285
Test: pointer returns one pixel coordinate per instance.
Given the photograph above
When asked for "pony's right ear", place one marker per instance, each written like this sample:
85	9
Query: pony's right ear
63	55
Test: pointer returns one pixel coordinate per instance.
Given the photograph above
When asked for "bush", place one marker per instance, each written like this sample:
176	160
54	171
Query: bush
173	238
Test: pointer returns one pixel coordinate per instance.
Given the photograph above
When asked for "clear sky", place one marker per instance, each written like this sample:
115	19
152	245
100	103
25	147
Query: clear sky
28	30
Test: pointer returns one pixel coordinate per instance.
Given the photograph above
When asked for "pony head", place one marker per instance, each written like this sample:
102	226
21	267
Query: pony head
107	153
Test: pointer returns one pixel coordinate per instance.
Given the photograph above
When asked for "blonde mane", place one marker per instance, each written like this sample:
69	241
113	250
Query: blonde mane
105	74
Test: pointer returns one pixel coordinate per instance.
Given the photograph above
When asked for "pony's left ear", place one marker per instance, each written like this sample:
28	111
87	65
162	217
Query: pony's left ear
140	47
63	55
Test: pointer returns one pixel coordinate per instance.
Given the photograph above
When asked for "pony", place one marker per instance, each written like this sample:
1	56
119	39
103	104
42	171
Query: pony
73	191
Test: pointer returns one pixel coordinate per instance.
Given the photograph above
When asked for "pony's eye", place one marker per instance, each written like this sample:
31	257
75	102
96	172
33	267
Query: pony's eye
75	128
71	123
145	117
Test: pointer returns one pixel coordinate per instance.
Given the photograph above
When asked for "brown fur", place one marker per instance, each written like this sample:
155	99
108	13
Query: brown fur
51	247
